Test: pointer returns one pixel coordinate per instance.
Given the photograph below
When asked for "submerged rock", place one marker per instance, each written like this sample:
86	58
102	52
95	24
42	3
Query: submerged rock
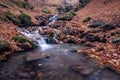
51	40
23	75
37	56
84	70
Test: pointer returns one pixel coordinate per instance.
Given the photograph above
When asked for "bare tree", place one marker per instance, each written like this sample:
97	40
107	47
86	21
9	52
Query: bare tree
70	2
36	3
64	2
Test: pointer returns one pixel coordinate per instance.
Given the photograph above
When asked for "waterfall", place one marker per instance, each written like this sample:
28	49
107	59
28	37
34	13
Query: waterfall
53	19
35	35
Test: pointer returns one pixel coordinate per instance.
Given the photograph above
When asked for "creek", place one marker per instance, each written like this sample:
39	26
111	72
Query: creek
53	62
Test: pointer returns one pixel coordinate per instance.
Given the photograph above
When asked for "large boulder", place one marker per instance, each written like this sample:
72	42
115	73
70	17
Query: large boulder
24	43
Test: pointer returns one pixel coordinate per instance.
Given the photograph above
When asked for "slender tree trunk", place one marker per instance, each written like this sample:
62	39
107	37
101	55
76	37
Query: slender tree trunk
70	2
64	2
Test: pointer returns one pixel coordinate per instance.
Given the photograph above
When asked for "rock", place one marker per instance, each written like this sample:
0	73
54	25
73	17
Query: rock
82	3
73	51
43	20
116	40
107	27
4	45
68	8
23	75
71	41
84	70
50	40
67	16
33	57
95	75
25	20
92	38
39	74
95	24
69	31
87	19
32	73
23	41
60	9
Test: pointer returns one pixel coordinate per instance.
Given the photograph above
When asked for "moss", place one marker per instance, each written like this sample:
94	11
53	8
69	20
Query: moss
22	4
23	40
27	6
52	34
4	5
4	45
67	16
11	17
46	11
25	19
87	19
3	19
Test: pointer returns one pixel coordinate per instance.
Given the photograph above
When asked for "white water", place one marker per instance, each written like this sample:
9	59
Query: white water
53	19
36	37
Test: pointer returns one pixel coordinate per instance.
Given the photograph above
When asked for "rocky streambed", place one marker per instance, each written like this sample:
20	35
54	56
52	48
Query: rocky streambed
53	61
60	62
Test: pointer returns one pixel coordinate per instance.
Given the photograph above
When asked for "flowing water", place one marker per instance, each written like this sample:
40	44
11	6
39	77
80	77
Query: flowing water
54	62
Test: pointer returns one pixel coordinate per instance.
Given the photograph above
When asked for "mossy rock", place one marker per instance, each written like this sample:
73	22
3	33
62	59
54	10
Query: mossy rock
23	40
25	5
4	45
4	5
46	11
67	16
12	17
87	19
52	34
25	20
96	23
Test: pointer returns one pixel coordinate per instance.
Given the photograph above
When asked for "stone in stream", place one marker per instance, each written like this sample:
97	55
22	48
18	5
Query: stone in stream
33	57
84	70
23	75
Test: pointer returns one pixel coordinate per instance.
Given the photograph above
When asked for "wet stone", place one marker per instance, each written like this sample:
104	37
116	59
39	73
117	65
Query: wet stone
35	56
84	70
73	51
23	75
